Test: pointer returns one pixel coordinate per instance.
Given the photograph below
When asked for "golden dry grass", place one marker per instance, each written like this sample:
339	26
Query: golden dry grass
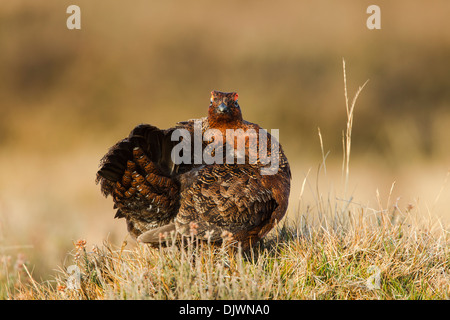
353	253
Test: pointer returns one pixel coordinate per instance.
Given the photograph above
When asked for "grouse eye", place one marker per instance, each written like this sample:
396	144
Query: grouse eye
236	96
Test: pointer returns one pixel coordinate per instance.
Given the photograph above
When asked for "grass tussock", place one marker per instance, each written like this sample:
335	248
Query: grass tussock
357	255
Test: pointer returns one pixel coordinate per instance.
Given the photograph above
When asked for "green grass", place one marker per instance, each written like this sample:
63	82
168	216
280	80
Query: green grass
352	260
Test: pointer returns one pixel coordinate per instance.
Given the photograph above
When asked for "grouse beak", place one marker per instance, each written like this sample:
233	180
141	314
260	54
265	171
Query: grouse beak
222	108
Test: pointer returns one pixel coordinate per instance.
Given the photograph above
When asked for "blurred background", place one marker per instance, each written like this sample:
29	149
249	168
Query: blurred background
67	95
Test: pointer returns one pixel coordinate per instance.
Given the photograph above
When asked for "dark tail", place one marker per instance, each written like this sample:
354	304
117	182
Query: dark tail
138	172
154	143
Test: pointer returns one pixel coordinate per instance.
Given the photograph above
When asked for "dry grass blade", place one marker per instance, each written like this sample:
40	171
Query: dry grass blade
347	138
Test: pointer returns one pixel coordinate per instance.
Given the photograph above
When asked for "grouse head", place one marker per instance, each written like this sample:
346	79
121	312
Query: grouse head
224	109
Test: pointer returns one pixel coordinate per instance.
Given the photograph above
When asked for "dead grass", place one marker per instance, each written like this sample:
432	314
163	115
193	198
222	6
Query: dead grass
348	256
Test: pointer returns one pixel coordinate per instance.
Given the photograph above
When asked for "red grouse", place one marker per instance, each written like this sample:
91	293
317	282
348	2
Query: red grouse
214	175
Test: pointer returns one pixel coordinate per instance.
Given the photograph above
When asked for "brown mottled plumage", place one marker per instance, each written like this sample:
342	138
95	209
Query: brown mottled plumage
157	196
